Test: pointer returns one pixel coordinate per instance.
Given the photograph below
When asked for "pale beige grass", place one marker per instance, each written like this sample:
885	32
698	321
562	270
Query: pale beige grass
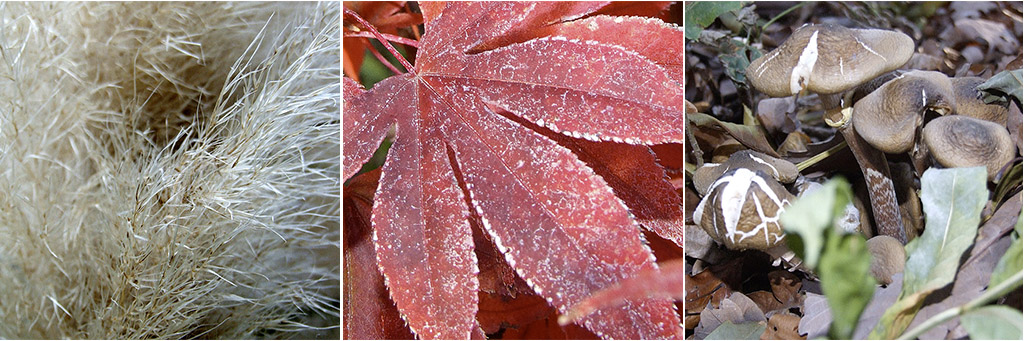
169	170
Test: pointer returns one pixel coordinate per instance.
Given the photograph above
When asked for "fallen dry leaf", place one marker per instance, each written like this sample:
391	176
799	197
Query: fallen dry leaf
737	308
785	292
1000	40
817	317
774	114
782	326
702	290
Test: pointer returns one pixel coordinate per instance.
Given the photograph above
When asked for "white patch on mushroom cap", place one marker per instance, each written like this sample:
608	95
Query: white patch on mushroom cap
764	65
870	50
802	71
766	219
761	161
734	196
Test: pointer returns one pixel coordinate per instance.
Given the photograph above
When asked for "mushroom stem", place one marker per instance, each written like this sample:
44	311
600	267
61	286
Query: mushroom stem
919	156
876	175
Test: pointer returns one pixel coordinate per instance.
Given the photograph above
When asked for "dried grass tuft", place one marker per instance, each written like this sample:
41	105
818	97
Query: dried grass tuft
169	170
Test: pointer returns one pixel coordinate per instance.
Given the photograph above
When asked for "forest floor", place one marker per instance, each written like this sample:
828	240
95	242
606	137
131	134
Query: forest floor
741	294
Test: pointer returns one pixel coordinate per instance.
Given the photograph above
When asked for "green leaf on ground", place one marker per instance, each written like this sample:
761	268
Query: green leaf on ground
735	59
993	323
1006	83
1011	262
1010	180
846	280
805	221
742	331
701	14
734	64
952	200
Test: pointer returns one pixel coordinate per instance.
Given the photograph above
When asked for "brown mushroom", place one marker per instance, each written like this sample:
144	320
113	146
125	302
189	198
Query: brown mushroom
962	141
742	210
706	175
828	59
779	169
888	117
852	57
887	258
969	103
887	120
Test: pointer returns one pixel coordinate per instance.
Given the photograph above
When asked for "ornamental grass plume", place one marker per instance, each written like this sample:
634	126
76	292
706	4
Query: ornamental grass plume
169	170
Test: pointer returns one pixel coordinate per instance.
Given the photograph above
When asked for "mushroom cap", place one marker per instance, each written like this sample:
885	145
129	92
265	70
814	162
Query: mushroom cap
888	258
870	86
962	141
836	100
888	117
827	59
742	210
969	103
706	175
779	169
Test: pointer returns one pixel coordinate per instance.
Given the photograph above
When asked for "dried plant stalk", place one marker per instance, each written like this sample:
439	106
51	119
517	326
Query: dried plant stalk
169	170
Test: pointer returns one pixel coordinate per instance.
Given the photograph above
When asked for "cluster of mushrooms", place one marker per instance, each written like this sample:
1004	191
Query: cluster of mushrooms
878	111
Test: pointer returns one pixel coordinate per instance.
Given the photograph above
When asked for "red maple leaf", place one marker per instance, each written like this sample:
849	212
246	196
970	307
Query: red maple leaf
364	286
535	116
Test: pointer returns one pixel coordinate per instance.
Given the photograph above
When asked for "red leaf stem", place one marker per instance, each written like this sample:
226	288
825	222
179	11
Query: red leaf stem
352	14
385	61
390	37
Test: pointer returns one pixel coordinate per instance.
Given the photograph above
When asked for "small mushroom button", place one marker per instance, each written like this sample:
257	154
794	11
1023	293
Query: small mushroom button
742	210
887	258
